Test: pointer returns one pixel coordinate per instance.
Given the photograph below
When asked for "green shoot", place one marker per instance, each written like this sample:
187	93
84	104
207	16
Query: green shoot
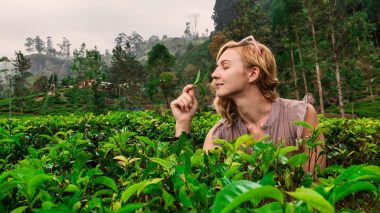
198	77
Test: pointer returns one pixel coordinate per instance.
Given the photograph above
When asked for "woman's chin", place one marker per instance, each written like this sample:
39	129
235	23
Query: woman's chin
221	95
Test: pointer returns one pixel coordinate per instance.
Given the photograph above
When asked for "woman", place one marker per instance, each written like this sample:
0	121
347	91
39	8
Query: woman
245	82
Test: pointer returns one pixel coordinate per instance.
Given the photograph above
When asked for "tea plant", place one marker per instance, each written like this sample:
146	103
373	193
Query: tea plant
123	162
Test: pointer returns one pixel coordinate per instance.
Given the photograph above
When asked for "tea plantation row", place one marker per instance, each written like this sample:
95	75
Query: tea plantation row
125	162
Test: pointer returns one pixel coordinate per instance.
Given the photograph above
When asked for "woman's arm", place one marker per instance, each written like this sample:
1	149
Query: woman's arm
312	118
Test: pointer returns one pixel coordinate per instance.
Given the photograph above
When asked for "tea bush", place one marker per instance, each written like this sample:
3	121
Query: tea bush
125	162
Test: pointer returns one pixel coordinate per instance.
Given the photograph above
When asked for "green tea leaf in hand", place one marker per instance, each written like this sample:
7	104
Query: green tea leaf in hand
198	77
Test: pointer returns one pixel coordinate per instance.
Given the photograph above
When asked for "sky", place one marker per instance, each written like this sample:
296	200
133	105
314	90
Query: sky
96	22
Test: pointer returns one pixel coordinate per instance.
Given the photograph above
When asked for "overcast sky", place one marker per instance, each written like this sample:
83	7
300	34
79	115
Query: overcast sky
96	22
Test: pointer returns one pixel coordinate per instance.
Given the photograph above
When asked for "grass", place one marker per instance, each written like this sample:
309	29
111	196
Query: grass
362	108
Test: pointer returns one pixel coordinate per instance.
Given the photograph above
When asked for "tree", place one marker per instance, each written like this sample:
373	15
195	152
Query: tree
372	9
159	60
4	59
126	73
168	81
79	66
217	41
9	76
53	82
153	39
64	48
135	40
29	45
121	39
90	67
49	46
41	84
22	65
39	45
286	18
187	32
224	12
194	22
189	72
312	12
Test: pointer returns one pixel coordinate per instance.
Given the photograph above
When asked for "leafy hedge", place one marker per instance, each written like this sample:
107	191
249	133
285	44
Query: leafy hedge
123	162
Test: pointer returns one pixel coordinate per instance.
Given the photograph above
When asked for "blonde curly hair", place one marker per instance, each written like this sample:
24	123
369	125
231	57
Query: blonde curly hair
253	54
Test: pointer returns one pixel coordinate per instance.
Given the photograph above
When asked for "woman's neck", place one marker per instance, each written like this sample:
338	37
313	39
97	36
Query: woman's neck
253	108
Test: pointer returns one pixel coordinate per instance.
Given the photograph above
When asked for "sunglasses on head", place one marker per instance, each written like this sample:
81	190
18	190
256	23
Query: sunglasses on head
250	40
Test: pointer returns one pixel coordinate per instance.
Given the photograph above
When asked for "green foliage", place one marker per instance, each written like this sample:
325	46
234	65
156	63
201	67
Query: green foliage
313	199
352	141
125	69
340	37
197	78
237	192
161	80
122	162
224	12
160	59
22	65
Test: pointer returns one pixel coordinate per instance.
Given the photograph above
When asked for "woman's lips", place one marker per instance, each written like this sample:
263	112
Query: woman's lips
217	85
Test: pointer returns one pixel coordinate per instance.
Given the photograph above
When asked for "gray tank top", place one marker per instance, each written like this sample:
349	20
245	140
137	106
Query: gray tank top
278	126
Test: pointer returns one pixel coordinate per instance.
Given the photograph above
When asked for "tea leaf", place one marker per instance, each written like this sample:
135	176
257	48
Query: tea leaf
237	192
304	124
35	182
274	207
131	207
71	188
20	209
147	141
197	78
312	198
107	181
244	139
348	188
286	150
137	188
166	164
298	160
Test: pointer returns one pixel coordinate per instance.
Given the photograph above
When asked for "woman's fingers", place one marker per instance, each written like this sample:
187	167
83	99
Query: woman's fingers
189	89
188	99
185	104
180	103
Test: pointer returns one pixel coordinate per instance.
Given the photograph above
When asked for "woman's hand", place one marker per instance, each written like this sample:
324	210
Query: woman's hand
184	108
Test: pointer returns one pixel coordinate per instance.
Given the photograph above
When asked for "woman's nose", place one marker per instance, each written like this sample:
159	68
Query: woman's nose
215	75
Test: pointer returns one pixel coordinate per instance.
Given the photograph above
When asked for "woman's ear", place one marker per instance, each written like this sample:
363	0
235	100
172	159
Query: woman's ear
254	73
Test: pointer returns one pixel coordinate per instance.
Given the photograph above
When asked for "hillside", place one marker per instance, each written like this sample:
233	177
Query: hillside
43	64
48	64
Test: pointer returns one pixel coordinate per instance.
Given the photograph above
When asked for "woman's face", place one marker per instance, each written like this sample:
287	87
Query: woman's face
231	75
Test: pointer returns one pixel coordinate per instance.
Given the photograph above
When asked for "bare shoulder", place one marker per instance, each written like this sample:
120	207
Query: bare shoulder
311	115
311	118
208	144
